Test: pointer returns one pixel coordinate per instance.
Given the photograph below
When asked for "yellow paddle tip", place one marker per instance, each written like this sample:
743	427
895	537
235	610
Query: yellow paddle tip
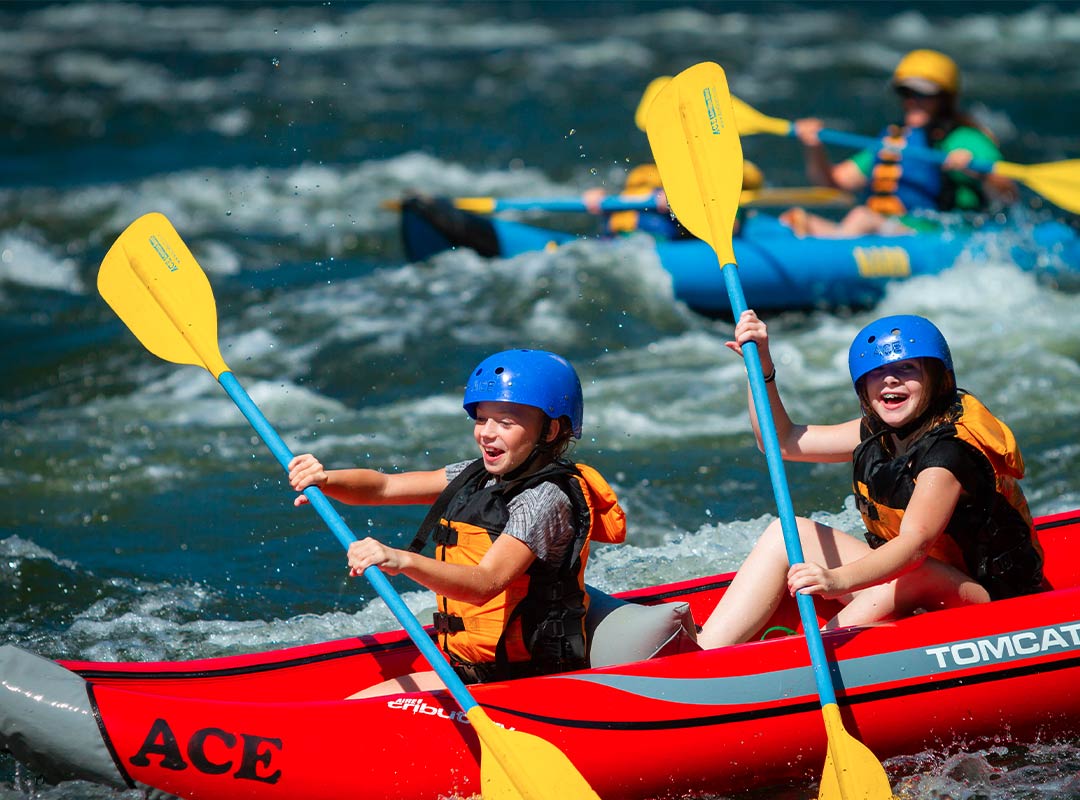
152	281
751	121
477	205
641	116
520	766
851	771
695	143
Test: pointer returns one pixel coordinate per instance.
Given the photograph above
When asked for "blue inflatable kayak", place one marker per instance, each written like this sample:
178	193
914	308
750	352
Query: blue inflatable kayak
778	270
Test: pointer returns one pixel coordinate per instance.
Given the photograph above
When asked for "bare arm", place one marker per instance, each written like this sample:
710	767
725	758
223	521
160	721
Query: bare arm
819	168
504	562
820	443
365	486
928	513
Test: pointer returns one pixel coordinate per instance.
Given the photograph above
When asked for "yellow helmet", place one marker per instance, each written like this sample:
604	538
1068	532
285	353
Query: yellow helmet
927	71
752	176
643	178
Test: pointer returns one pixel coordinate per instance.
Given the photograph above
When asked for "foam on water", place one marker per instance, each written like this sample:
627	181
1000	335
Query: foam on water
25	262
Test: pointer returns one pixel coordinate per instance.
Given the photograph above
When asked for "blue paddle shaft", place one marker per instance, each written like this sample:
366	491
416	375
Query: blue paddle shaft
775	459
924	153
344	535
575	204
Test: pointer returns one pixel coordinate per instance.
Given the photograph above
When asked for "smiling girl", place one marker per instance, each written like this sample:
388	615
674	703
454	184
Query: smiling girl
936	477
511	528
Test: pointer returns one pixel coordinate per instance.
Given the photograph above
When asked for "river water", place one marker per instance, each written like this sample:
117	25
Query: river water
143	520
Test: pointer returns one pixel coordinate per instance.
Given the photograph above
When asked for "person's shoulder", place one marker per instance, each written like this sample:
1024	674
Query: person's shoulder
547	492
962	459
970	137
453	470
864	160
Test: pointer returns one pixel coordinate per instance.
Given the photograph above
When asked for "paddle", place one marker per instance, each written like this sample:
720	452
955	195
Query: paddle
795	195
656	85
1057	181
692	132
157	288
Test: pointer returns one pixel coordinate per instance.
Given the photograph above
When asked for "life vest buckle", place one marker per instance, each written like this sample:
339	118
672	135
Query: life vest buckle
445	535
553	628
447	623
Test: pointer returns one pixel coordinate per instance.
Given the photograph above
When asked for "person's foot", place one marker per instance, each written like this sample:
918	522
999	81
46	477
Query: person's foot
796	219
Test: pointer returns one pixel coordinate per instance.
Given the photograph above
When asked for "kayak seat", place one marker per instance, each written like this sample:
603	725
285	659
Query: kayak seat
621	632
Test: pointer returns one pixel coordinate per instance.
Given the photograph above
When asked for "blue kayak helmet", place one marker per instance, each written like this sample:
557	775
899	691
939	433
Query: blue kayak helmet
897	338
530	377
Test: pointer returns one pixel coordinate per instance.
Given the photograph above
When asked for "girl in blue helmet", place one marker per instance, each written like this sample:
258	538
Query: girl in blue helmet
936	477
511	528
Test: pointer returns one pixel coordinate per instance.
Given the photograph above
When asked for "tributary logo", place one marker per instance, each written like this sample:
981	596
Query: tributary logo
418	706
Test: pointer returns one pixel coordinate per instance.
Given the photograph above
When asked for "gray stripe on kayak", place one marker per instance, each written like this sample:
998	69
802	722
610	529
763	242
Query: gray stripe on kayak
47	723
849	674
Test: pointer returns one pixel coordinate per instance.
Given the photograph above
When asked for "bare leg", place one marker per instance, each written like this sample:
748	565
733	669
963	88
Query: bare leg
860	221
753	595
931	586
414	682
761	581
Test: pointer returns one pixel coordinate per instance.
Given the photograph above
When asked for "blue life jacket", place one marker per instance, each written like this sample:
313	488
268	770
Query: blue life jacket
899	185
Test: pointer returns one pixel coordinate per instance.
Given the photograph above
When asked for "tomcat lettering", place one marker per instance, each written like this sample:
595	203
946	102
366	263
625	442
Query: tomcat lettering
1007	647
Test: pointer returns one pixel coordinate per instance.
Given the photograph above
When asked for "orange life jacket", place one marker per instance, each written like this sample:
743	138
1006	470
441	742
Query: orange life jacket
991	535
536	624
899	185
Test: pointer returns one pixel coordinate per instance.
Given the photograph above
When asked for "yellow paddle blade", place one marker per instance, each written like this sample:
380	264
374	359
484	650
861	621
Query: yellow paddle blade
155	285
751	121
1057	181
520	766
820	196
852	772
691	128
653	89
477	205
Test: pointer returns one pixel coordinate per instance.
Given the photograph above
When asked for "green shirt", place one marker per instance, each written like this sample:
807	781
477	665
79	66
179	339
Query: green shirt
980	145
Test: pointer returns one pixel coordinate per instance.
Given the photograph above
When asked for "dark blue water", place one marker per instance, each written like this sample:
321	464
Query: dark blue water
142	519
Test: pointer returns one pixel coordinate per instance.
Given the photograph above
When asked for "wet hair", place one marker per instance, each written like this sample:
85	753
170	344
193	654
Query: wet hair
949	117
557	447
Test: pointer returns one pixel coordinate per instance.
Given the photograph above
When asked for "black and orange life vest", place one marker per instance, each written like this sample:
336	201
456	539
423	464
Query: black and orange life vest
991	535
536	625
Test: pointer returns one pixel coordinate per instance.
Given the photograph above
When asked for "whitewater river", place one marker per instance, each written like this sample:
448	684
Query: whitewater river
141	518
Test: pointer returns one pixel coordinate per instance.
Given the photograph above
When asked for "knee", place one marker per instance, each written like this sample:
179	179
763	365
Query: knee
772	536
860	214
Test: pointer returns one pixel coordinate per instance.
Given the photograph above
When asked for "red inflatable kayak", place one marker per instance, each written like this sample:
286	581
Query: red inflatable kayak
275	724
